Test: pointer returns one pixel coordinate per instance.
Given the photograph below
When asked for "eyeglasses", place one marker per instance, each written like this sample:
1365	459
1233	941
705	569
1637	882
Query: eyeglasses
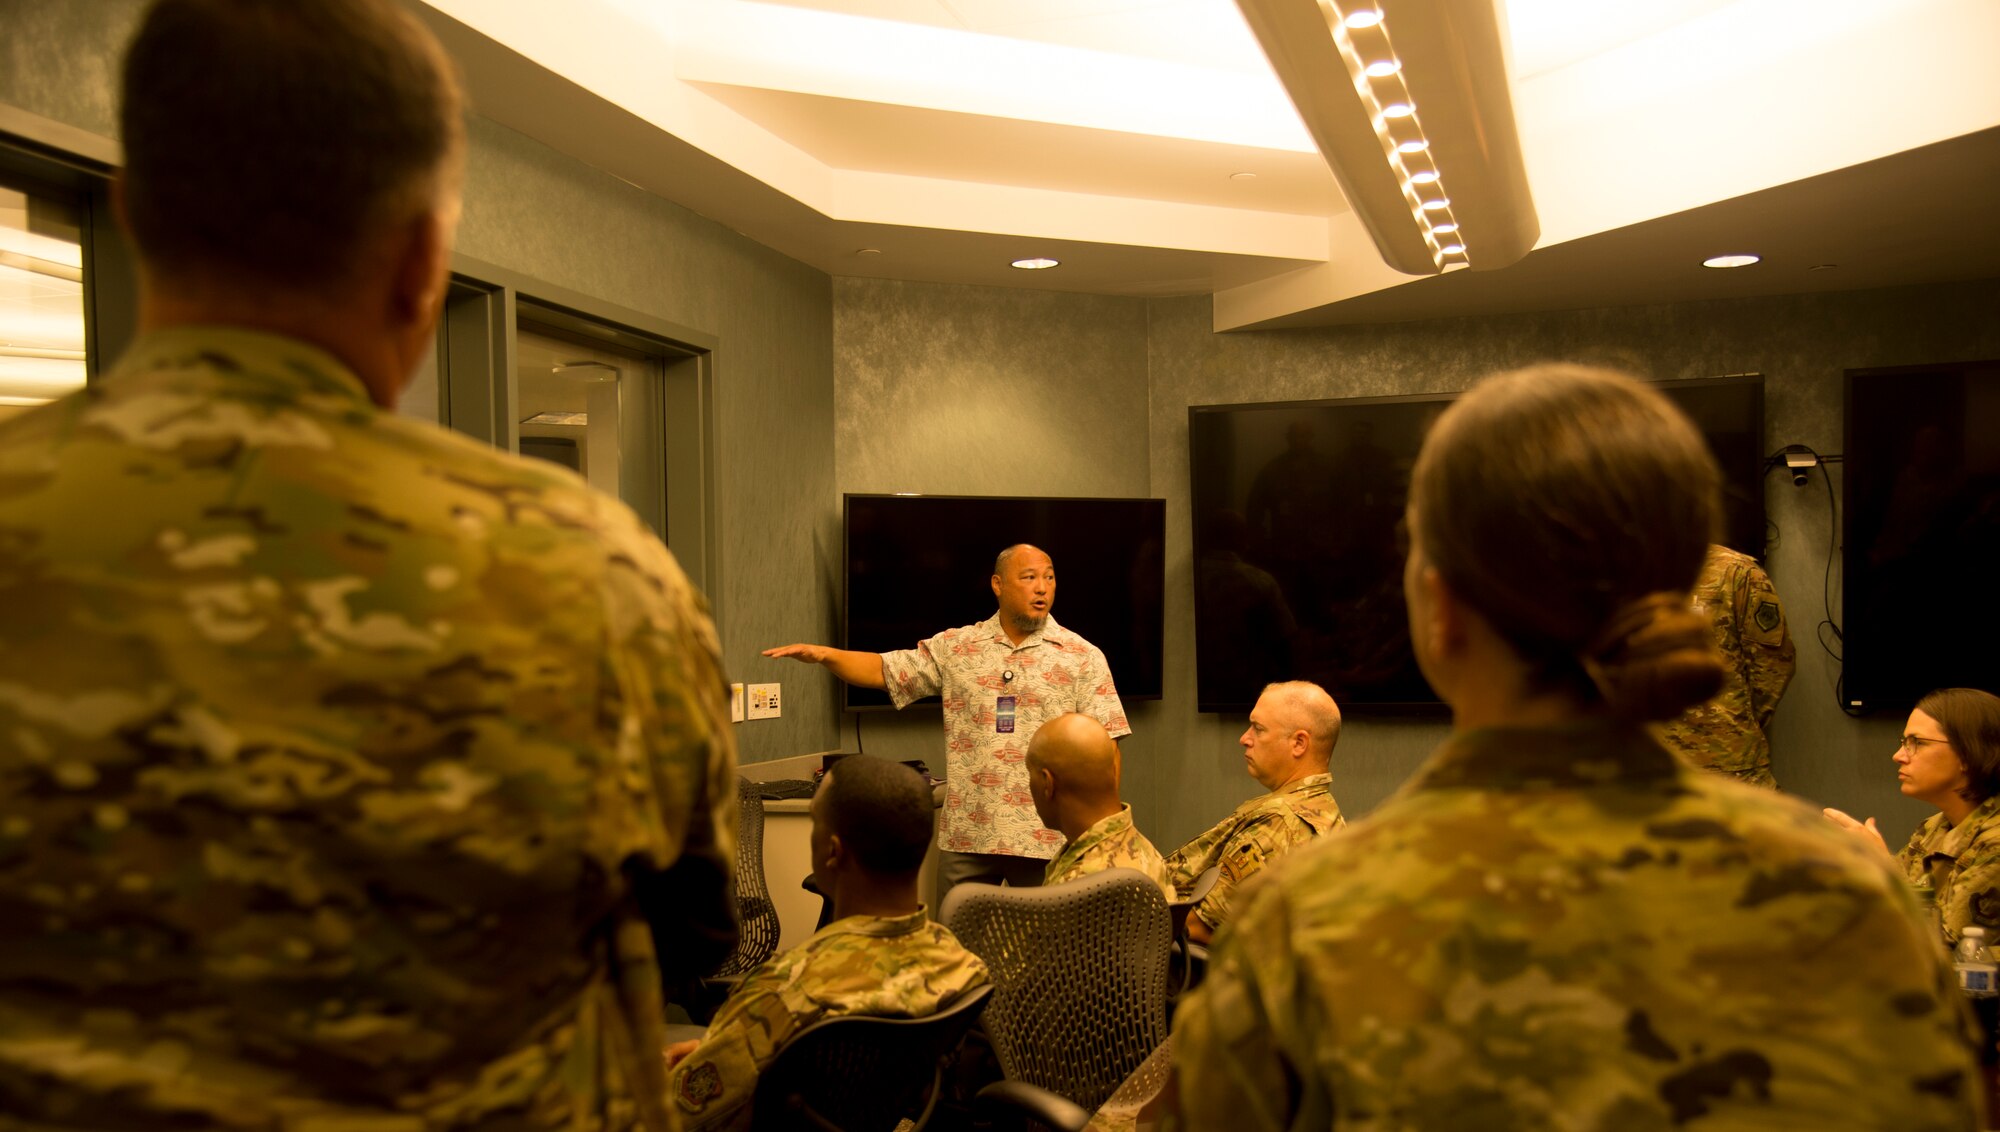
1912	742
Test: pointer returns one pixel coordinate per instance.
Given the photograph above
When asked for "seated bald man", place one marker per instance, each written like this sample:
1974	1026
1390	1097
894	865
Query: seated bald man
1073	773
1288	749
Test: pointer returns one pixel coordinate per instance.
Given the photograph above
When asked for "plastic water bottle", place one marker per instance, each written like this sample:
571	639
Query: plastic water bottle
1975	964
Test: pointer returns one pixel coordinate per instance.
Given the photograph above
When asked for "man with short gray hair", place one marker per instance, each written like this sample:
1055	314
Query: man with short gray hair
1288	749
352	774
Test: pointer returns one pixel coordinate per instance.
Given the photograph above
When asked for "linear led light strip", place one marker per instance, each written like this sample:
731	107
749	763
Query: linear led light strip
1362	35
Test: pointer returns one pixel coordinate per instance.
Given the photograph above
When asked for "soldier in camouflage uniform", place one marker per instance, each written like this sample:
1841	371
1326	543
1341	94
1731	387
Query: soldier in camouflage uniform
1287	749
1730	734
1950	758
1073	774
343	761
1556	924
881	955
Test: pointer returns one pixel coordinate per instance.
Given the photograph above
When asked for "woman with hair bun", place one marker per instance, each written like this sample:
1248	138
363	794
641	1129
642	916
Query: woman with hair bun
1555	924
1950	758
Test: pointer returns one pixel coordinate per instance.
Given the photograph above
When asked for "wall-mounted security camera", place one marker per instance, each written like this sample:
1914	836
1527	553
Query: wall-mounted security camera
1799	460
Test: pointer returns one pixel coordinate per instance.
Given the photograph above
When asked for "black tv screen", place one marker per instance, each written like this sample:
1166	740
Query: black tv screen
920	564
1922	480
1298	556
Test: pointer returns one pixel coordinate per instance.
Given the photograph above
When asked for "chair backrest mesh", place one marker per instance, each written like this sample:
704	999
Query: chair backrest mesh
1079	976
863	1073
757	928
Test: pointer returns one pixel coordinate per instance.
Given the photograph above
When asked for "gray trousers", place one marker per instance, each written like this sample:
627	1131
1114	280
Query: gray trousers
988	868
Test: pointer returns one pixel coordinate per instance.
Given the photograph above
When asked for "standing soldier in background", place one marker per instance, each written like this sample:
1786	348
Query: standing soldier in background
1730	734
345	763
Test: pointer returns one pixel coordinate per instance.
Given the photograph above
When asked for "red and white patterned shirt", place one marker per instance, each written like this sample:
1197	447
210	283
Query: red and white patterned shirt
1052	671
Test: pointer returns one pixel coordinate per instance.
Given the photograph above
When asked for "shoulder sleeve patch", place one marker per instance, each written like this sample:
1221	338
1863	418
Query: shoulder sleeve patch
700	1085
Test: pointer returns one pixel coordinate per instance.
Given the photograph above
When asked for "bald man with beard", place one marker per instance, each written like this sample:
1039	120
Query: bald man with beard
1073	773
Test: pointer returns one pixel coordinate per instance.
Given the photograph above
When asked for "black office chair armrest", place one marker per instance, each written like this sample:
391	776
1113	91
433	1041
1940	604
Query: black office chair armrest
1052	1109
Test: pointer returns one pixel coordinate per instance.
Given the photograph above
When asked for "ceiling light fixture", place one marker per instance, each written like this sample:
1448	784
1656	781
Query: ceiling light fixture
1037	263
1743	259
1374	91
1243	176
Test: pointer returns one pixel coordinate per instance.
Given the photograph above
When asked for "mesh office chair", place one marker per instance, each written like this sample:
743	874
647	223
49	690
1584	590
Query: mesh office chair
1183	952
861	1073
1079	978
757	929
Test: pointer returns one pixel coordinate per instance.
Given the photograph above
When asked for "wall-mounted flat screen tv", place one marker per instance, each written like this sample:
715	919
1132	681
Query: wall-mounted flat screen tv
1922	480
1298	555
920	564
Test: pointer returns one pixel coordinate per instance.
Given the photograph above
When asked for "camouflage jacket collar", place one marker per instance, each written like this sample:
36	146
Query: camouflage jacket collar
1112	825
1941	840
879	926
250	361
1580	754
1322	782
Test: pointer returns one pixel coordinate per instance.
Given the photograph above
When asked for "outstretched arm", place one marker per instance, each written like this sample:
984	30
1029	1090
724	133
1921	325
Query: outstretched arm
863	669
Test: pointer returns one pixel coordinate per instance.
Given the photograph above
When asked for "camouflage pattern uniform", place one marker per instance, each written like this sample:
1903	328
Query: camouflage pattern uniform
1730	734
1242	843
904	967
1565	928
332	748
1956	870
1113	843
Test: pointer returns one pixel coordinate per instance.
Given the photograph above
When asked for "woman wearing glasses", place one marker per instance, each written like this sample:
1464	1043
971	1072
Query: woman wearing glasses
1950	758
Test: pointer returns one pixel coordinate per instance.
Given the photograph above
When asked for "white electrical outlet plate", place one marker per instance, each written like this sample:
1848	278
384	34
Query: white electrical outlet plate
736	703
763	701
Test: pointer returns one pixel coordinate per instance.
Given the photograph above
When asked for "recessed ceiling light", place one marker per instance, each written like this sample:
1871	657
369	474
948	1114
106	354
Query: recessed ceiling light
868	251
1423	176
1243	176
1453	249
1434	205
1037	263
1398	110
1365	18
1822	267
1381	68
1743	260
1417	145
1441	229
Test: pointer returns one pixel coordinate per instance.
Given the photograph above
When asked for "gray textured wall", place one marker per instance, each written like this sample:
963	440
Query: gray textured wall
1800	343
983	391
918	366
537	212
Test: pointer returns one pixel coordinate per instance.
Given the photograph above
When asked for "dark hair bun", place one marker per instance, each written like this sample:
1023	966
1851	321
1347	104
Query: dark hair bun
1655	659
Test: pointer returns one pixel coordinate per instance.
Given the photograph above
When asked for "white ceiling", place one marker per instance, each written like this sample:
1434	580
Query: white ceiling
1147	144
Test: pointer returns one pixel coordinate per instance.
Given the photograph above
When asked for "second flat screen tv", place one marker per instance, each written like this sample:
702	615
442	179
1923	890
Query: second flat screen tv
920	564
1298	554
